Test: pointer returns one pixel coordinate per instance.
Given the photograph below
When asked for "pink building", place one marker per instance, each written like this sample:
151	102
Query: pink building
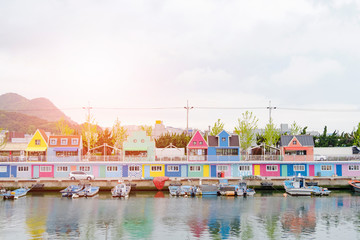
197	148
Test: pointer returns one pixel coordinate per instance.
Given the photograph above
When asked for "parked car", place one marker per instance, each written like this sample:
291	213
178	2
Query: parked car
318	157
77	175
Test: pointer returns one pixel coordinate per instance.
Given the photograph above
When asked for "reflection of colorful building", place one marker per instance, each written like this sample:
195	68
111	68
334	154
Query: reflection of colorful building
223	147
36	150
197	148
139	147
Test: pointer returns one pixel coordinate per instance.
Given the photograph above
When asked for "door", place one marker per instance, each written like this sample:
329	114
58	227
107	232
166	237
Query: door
35	171
311	170
339	170
256	170
284	172
183	170
206	170
102	172
213	170
13	171
125	170
147	171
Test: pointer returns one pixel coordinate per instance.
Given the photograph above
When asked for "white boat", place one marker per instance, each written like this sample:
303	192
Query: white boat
121	190
297	187
243	190
15	194
87	191
186	190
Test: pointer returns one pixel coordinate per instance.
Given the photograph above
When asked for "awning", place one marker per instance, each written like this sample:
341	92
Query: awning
65	149
35	149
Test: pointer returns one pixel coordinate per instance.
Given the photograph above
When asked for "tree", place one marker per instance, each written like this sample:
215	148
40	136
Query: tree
246	129
147	129
178	140
303	131
271	134
105	137
3	139
356	135
295	129
63	128
89	133
119	134
217	128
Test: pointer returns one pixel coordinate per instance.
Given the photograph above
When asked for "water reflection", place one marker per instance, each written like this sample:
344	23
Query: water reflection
156	215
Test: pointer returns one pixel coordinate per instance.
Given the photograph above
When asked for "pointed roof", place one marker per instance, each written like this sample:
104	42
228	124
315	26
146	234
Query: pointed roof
197	137
304	140
43	134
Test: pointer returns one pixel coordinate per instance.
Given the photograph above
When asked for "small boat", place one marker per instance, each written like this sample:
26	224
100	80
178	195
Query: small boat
186	190
206	189
15	194
244	191
226	189
72	189
297	187
121	190
355	185
87	191
320	191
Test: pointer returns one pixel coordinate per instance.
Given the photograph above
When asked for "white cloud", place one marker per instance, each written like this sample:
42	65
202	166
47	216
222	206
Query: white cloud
303	71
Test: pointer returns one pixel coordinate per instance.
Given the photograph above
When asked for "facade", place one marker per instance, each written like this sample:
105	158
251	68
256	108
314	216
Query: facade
64	148
223	147
197	148
297	147
37	147
139	147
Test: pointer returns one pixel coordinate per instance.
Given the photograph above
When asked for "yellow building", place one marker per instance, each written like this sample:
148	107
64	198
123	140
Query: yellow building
37	147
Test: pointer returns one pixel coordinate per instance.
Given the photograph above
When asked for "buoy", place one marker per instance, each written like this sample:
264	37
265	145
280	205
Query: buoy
285	195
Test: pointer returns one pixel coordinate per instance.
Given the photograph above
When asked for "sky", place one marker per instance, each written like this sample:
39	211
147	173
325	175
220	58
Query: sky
141	61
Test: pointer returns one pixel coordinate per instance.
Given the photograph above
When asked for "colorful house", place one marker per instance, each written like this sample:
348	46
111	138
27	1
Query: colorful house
223	147
297	147
36	150
64	149
139	147
197	148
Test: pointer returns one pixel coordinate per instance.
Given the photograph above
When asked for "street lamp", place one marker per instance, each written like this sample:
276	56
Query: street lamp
187	116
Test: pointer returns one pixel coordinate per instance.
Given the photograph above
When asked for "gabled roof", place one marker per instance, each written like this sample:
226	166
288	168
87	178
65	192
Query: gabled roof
223	132
233	141
69	141
43	134
213	141
305	140
197	137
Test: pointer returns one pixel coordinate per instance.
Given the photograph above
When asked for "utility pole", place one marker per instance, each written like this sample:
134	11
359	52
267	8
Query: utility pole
88	133
270	108
187	116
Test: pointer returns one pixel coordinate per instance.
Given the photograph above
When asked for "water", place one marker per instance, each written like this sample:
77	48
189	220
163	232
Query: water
159	216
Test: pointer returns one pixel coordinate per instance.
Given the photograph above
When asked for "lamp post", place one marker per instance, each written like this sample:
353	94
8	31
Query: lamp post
88	135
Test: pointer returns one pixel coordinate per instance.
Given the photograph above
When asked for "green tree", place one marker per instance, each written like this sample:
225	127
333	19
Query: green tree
217	128
303	131
271	134
295	129
63	128
105	137
119	134
356	135
89	133
147	129
246	129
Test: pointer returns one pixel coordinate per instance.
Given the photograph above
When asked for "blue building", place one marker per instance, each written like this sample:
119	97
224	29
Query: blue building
223	147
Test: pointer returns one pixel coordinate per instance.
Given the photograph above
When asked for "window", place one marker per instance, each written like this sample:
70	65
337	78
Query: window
299	168
194	142
53	141
37	141
64	141
221	168
45	168
142	140
354	168
3	168
195	168
294	142
111	168
156	168
84	168
66	153
244	168
74	141
62	168
23	168
134	169
173	168
271	168
227	151
326	168
135	141
200	142
223	139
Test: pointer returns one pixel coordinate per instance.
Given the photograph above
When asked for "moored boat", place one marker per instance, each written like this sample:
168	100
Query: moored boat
72	189
206	189
297	187
15	194
320	191
184	190
355	184
87	191
243	190
121	190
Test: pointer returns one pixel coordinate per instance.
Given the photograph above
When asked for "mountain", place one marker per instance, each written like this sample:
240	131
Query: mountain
39	107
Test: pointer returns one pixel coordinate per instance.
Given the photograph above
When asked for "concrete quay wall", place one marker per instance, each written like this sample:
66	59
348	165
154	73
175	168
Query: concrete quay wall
148	185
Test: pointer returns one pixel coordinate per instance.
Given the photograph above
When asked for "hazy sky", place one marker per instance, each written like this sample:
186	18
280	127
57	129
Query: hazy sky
139	54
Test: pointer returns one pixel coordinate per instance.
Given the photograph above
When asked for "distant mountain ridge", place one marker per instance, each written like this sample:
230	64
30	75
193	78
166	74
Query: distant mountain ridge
41	108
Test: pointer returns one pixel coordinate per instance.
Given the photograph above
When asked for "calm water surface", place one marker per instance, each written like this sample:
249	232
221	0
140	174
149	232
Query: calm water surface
160	216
